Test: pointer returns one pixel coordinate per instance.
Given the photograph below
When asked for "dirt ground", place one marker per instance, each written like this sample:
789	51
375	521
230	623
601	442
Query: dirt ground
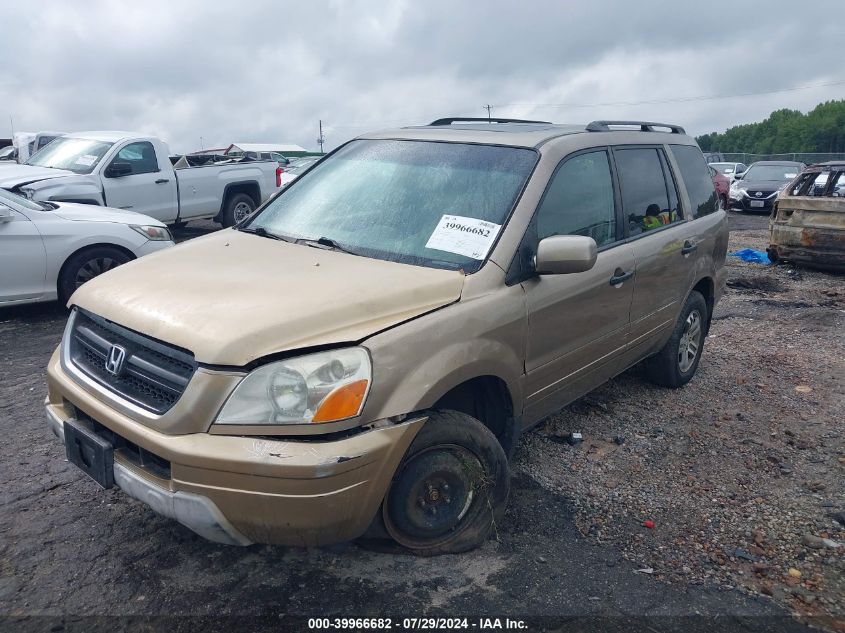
741	473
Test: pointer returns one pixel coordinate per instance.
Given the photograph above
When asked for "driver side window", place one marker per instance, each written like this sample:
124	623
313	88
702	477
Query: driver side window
141	156
579	200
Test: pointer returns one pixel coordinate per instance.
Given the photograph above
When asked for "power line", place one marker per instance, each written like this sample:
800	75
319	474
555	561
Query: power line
674	100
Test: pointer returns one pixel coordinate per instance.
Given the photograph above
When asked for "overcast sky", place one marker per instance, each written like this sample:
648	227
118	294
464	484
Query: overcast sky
267	71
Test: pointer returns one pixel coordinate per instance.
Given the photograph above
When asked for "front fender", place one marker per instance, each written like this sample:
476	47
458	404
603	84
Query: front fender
81	188
416	363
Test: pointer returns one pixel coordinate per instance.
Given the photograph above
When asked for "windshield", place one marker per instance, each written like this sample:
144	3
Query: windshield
79	155
723	168
424	203
8	196
771	172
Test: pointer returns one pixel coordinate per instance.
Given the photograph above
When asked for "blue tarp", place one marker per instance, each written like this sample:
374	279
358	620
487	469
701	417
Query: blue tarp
755	257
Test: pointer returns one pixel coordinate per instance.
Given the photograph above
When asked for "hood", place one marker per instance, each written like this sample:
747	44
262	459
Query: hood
16	175
93	213
762	185
233	297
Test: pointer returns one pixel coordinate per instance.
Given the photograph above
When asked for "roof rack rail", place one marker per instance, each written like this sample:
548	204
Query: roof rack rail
645	126
450	120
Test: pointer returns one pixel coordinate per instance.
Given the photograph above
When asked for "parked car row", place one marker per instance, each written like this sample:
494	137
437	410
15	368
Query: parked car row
362	354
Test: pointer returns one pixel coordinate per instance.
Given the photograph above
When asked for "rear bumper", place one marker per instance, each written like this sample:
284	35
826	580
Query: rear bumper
816	247
244	489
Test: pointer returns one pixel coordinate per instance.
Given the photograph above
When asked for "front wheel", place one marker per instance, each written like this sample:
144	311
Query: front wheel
451	488
238	208
675	364
85	265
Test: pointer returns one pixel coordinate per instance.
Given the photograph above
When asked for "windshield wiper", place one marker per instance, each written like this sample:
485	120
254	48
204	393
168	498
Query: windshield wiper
328	243
260	231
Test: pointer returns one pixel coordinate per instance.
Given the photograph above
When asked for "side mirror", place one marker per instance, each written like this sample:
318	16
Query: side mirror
118	169
738	175
5	214
562	254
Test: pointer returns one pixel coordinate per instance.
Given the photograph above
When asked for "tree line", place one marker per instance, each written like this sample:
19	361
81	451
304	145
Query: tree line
784	131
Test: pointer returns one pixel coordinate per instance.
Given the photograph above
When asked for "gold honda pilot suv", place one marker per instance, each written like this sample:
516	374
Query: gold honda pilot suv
360	356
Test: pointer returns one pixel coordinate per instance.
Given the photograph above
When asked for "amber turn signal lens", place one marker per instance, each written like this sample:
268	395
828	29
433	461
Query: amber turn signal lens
342	403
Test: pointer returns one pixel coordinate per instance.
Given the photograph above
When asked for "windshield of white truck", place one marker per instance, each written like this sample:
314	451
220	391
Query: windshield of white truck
79	155
440	205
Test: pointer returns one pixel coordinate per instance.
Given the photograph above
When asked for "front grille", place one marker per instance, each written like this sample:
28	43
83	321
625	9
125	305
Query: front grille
152	374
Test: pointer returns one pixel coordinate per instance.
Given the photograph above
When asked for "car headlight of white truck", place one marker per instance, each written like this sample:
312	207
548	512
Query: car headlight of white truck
316	388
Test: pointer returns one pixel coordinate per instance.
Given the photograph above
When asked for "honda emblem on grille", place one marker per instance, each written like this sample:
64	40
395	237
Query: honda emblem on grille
114	361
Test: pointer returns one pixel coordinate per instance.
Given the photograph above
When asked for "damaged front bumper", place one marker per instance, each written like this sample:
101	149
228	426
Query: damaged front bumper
242	490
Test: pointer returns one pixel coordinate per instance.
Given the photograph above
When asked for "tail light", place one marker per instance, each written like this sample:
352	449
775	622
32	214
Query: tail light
279	171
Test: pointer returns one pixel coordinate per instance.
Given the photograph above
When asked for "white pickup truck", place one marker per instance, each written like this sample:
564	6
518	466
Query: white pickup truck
136	172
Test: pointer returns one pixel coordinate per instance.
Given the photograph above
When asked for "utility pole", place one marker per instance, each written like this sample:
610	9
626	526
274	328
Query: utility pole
321	140
11	125
488	107
202	147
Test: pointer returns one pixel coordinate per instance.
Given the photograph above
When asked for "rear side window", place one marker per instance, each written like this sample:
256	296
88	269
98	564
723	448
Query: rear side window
647	198
699	184
579	200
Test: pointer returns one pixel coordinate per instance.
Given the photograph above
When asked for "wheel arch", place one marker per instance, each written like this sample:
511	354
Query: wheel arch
87	247
488	399
707	288
249	187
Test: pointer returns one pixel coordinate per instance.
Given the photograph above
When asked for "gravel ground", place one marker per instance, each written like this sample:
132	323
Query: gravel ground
742	470
737	460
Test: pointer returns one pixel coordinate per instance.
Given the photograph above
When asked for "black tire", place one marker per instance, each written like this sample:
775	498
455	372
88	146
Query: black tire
235	209
672	367
451	488
87	264
178	225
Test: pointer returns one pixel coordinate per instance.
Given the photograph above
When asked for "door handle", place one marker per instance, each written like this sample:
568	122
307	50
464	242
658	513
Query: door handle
161	181
620	276
688	248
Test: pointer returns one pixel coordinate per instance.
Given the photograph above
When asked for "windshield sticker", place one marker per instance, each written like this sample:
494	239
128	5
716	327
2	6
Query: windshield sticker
86	160
465	236
790	175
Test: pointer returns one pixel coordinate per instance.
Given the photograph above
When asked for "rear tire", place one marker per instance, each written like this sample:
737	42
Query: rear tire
238	207
675	364
450	489
85	265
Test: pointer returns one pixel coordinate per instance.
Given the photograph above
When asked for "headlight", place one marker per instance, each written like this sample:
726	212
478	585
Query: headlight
155	233
323	387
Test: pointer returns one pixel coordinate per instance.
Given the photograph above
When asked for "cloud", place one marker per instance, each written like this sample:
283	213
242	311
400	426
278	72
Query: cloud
268	71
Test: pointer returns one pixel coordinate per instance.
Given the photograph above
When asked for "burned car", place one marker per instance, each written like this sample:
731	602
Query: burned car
807	224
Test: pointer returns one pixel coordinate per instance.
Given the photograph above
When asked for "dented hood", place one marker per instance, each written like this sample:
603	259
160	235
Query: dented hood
12	176
233	297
